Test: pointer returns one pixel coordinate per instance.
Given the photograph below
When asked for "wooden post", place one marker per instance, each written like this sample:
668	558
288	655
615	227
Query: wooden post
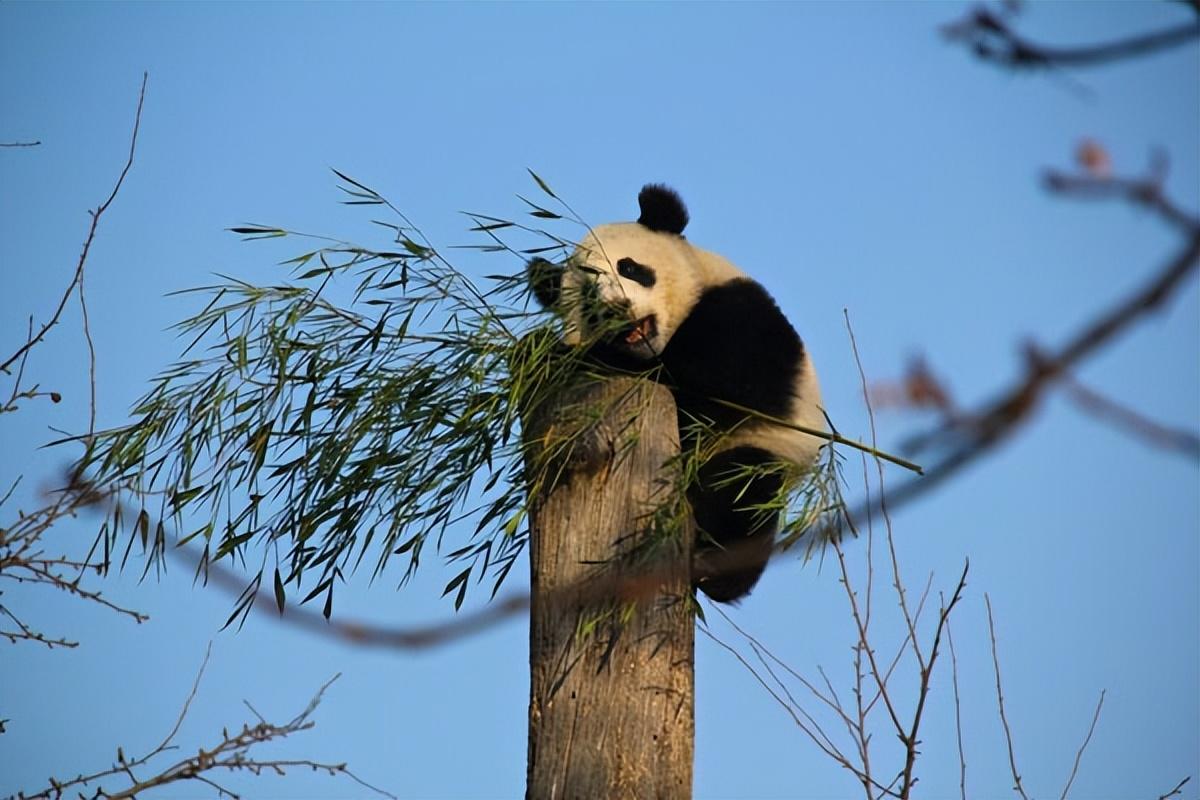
610	709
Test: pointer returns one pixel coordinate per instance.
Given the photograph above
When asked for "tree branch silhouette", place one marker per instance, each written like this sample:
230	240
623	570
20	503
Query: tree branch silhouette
23	558
87	244
232	753
974	434
990	36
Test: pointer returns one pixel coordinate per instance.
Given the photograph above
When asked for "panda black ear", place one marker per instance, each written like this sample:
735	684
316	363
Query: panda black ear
662	210
545	279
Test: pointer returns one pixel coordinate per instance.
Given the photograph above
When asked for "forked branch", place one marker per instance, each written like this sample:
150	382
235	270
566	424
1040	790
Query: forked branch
233	752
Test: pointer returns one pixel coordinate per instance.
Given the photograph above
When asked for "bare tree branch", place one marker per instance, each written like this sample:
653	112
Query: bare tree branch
1178	790
1146	191
232	753
22	556
87	244
1132	422
1082	747
976	433
911	741
24	560
1012	759
962	757
991	38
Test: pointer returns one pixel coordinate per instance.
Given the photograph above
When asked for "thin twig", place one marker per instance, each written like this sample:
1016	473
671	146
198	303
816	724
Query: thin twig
911	740
1082	747
1177	790
1145	191
1133	422
817	736
187	703
831	700
1012	759
87	244
232	753
909	737
876	674
962	757
91	347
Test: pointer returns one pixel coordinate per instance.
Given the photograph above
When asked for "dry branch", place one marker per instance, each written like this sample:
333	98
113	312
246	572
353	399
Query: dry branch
231	753
1079	753
1130	421
1176	791
1012	758
87	244
991	37
974	434
22	556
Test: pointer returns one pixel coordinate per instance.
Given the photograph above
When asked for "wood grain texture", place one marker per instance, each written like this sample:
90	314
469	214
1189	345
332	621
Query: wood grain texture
611	695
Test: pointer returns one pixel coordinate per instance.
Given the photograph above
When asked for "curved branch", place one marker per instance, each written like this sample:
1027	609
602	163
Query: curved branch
998	419
991	38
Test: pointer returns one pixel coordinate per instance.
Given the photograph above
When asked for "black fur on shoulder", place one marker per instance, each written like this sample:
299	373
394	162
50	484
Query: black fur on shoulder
662	209
545	278
735	345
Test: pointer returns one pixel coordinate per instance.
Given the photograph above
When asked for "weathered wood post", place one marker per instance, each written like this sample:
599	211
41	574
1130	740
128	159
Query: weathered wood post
610	709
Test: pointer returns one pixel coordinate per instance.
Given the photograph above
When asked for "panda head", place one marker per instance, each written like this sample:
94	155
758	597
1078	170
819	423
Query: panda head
629	283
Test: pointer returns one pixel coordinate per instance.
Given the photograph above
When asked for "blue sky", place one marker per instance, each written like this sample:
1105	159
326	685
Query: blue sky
844	154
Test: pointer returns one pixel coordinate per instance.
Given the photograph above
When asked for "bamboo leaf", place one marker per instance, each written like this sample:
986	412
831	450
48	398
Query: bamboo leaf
541	183
353	182
280	595
459	582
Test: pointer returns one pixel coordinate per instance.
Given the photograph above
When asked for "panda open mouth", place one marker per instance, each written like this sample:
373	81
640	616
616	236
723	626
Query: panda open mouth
641	331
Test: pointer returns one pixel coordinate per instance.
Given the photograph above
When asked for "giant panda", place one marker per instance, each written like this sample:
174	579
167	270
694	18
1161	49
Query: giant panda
718	336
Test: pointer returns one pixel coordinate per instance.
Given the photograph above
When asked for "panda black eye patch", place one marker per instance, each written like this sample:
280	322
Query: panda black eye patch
638	273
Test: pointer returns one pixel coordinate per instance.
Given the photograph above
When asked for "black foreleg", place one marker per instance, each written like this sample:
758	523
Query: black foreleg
735	534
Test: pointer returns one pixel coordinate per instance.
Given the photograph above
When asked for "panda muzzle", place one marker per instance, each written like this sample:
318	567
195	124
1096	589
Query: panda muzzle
643	330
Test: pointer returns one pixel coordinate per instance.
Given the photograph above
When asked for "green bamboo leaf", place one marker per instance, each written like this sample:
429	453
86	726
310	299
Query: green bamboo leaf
460	582
280	596
258	231
321	587
180	499
350	180
408	545
541	183
493	226
143	528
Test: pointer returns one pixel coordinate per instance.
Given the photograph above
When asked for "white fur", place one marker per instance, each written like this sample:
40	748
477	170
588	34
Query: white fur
682	272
